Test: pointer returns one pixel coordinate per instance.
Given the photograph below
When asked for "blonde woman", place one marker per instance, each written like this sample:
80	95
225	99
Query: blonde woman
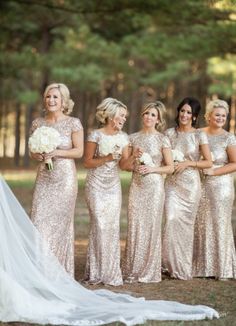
103	150
55	191
214	249
142	262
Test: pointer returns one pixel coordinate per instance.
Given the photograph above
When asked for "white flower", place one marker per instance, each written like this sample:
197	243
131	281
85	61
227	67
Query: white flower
178	156
146	159
44	140
112	144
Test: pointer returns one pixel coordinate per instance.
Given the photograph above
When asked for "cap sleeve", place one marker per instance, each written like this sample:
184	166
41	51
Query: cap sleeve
166	142
202	137
169	132
231	140
76	125
93	136
34	125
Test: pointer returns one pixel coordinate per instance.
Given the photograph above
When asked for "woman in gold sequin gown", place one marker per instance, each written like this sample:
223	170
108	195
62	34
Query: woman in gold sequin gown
183	190
214	249
103	194
55	191
142	262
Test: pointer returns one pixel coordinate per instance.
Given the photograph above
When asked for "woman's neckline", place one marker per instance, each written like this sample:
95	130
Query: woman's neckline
215	134
103	133
56	122
146	133
185	132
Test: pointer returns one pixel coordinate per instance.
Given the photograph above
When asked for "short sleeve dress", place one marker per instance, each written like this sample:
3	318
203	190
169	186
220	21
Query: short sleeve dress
103	196
55	194
142	262
214	249
183	191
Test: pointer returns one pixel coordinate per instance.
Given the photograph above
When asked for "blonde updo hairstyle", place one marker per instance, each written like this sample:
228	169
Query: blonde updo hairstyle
107	109
67	103
161	110
215	104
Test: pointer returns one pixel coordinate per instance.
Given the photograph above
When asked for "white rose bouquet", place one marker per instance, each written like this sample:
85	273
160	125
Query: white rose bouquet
178	156
146	159
44	140
112	145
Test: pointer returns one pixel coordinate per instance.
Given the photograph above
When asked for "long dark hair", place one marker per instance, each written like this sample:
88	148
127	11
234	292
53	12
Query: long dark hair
195	106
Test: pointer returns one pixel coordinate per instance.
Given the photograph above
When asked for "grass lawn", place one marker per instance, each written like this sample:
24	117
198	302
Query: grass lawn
220	295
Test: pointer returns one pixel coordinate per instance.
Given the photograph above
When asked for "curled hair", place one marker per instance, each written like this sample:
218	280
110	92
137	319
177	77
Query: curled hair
67	103
107	109
195	107
161	110
215	104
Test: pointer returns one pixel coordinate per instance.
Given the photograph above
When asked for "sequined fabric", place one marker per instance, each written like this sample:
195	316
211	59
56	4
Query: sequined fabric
182	198
214	250
142	261
55	194
103	196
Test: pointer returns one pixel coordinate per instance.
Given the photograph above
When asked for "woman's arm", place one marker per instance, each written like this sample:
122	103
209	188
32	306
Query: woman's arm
75	152
129	156
168	168
90	161
228	168
204	163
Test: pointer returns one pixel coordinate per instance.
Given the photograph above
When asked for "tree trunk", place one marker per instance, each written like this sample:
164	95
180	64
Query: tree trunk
28	119
17	136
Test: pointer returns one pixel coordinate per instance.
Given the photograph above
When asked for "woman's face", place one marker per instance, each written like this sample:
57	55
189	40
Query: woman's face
53	100
120	118
217	118
185	115
150	118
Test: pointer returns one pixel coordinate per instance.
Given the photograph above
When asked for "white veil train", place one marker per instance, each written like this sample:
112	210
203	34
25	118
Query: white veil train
34	288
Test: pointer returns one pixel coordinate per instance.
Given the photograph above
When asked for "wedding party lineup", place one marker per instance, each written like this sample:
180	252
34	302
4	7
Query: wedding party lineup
179	213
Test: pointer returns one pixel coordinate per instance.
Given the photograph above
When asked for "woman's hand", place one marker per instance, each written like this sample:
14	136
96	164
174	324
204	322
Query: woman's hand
51	155
181	166
37	156
145	169
137	152
210	171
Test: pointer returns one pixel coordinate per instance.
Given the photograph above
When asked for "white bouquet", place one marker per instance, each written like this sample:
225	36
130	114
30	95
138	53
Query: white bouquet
44	140
146	159
178	156
112	145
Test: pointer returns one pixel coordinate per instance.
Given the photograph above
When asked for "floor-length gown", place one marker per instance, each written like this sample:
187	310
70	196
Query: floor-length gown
55	194
214	249
142	261
35	288
103	196
183	191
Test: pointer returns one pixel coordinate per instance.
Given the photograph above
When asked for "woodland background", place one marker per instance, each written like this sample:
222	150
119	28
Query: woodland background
133	50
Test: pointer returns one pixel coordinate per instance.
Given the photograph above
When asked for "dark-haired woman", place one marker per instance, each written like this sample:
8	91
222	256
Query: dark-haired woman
183	189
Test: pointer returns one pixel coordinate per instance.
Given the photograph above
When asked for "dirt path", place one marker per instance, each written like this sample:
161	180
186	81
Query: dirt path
220	295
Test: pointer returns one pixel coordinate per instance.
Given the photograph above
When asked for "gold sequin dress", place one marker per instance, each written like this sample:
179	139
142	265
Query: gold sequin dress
55	194
103	196
142	262
214	249
183	192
